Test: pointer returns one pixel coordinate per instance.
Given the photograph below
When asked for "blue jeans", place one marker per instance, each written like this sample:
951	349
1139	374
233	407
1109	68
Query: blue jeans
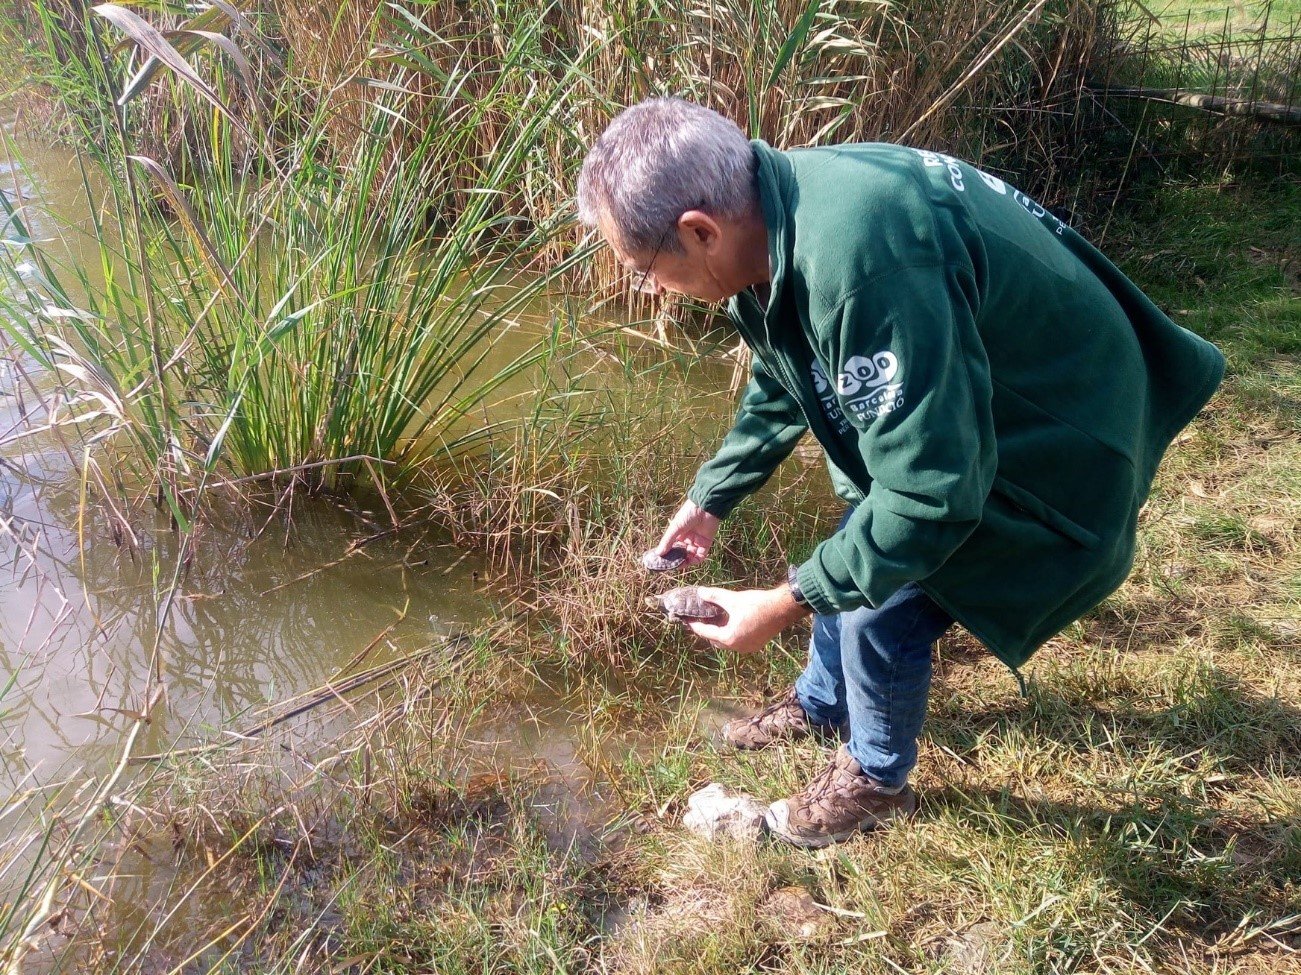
872	667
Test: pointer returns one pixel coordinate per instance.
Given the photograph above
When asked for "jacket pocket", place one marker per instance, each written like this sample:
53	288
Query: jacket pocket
1020	498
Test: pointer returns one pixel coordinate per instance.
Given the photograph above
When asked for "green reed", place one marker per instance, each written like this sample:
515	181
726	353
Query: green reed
296	310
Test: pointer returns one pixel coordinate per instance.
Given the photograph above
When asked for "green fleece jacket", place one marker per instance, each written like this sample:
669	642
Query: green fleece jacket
992	394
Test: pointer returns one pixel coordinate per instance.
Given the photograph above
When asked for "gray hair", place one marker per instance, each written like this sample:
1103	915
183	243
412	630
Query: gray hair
659	159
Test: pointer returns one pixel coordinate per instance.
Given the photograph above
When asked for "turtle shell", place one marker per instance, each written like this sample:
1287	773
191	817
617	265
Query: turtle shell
684	604
652	561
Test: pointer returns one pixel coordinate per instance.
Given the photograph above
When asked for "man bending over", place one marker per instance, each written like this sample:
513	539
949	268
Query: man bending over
992	394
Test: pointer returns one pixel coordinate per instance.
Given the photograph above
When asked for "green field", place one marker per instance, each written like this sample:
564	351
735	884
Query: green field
1201	17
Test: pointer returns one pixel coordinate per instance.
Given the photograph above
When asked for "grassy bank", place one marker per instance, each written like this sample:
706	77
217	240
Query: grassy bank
1139	810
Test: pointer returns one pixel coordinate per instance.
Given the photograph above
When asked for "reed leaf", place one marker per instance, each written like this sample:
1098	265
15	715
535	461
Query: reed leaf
153	43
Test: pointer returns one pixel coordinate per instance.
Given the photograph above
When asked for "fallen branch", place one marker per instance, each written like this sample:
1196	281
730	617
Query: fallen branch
307	701
356	545
1215	104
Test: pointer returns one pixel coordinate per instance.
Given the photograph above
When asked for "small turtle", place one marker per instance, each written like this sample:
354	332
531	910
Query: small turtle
670	560
682	605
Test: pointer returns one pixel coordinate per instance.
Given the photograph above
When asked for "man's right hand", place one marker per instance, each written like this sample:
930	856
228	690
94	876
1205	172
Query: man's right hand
693	529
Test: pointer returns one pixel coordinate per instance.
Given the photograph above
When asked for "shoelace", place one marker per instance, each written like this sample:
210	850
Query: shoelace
824	782
762	719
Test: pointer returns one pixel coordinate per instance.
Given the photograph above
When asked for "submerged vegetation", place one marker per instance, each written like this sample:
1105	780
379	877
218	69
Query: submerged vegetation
325	248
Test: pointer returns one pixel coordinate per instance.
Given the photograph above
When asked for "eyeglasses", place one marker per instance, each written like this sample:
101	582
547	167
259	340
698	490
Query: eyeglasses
642	287
649	289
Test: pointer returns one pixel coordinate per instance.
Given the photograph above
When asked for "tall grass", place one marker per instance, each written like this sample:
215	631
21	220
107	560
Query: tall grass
994	80
325	322
291	274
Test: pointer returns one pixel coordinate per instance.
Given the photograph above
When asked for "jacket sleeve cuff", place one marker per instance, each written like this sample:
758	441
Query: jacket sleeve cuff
715	506
819	595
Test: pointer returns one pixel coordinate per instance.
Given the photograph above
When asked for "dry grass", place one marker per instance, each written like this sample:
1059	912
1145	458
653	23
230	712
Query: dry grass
998	82
787	71
566	511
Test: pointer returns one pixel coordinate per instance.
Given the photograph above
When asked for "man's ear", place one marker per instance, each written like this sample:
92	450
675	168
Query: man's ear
700	227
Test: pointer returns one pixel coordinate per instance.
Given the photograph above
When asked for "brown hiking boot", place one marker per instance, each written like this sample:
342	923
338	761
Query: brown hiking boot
839	802
784	720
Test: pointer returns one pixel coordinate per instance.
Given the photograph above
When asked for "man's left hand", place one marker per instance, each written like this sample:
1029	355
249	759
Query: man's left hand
754	616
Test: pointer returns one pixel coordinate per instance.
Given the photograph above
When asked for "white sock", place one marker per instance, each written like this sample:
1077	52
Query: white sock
889	790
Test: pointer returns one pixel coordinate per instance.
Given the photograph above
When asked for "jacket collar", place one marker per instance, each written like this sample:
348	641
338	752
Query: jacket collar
775	179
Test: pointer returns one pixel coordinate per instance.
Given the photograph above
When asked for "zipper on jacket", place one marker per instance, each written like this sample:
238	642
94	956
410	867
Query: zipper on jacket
780	361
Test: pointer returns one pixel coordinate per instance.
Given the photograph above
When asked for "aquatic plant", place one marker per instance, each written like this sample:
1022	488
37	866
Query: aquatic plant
326	321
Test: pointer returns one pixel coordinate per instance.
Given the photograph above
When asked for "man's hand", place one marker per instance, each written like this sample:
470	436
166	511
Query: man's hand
692	529
754	616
